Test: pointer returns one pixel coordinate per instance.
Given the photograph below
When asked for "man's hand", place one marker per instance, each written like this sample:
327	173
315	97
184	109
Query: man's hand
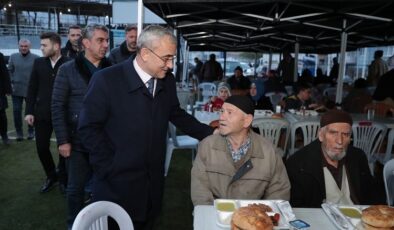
65	149
29	119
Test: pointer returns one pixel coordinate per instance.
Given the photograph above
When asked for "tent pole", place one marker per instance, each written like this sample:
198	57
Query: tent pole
342	62
140	15
296	52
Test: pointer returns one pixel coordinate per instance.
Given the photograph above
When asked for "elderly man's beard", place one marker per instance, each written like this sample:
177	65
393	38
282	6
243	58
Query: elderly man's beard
334	156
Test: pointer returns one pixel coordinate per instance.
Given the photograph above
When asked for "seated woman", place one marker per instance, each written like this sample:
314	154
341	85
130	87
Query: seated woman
216	102
256	94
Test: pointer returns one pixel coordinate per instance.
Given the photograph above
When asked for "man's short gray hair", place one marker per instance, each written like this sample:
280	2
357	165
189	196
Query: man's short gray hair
153	33
88	31
24	40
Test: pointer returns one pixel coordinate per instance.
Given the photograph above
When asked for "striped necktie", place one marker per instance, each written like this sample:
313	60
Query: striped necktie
151	84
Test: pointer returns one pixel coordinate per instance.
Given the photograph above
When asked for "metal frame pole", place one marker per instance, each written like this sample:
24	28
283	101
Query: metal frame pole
342	63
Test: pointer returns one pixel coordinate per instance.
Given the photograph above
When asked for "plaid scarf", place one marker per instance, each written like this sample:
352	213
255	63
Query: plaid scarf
243	149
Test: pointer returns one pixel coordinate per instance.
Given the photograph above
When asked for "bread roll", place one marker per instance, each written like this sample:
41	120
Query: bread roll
380	216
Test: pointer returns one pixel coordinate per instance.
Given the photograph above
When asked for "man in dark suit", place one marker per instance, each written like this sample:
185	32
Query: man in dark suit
38	106
5	89
124	126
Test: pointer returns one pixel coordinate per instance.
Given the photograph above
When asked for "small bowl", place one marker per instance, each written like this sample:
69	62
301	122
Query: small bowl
224	210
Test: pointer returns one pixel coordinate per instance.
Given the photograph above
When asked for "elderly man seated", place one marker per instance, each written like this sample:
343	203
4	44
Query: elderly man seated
237	163
329	169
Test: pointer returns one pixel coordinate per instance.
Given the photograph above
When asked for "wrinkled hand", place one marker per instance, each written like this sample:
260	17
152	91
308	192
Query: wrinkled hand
29	119
65	149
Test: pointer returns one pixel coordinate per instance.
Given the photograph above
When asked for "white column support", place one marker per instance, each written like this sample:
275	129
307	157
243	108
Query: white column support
342	63
296	52
140	16
185	63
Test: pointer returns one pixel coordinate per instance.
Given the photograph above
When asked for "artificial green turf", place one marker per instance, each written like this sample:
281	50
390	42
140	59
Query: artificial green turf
22	207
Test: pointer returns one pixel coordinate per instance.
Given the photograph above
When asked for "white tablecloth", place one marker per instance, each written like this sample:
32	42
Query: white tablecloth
205	218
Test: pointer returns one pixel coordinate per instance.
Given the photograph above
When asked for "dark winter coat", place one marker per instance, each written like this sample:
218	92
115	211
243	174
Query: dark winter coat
39	93
120	54
69	89
305	171
125	131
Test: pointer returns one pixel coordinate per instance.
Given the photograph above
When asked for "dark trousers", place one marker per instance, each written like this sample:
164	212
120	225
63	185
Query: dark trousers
3	124
79	173
44	131
146	225
17	104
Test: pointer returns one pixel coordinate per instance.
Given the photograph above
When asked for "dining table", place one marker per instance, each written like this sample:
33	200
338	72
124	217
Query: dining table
205	218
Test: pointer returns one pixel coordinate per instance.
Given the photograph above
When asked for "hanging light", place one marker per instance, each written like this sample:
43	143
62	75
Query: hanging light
10	4
5	8
69	10
61	13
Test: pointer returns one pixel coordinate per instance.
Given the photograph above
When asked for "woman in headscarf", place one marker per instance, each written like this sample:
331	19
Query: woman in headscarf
256	93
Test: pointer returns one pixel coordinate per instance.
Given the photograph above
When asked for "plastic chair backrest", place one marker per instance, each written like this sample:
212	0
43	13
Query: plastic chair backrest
330	93
208	90
309	132
388	177
172	134
271	128
94	217
289	89
368	136
389	149
275	97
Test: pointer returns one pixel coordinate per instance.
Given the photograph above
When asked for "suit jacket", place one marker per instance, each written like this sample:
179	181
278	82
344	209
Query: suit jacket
305	170
125	131
39	93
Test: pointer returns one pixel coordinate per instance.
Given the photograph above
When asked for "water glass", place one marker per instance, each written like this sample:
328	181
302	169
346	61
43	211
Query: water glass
370	114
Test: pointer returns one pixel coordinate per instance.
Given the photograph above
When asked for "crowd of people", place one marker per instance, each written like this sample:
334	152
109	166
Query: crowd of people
110	117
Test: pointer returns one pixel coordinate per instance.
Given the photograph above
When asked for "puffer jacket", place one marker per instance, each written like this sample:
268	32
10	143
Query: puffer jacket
69	90
214	174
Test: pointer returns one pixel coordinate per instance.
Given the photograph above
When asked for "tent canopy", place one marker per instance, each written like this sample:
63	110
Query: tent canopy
268	25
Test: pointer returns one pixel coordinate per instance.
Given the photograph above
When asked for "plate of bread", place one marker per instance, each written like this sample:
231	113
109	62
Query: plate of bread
252	214
361	217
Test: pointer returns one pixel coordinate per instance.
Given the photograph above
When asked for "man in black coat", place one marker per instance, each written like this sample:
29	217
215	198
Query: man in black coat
69	89
38	105
127	48
329	169
72	47
123	124
5	89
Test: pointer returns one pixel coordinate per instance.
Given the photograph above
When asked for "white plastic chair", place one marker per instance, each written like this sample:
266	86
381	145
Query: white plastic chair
388	155
368	136
388	177
330	93
208	90
309	133
271	129
95	217
289	89
275	97
178	142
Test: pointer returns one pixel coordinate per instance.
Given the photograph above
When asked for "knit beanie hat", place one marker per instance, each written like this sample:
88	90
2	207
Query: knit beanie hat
335	116
224	85
242	102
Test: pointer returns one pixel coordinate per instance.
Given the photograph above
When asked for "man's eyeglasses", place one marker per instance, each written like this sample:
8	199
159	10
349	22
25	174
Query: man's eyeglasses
165	59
